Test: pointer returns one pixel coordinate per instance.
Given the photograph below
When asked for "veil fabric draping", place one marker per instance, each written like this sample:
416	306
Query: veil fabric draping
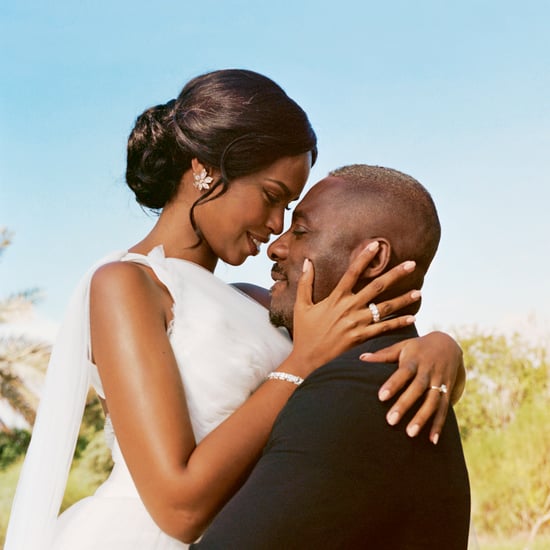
44	474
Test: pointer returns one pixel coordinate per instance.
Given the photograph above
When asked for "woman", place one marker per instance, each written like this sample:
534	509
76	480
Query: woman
173	352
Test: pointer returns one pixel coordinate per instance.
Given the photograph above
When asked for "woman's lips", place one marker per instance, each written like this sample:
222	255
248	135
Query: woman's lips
255	244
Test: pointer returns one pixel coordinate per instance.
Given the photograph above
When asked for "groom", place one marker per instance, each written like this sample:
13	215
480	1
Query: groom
333	475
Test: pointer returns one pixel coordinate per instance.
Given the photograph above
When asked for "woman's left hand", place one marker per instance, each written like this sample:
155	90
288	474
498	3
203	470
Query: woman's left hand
431	361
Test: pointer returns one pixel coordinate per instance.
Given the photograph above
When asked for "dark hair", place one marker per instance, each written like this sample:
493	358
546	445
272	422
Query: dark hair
237	121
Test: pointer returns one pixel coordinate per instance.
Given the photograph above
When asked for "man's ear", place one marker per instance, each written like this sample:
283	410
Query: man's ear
381	260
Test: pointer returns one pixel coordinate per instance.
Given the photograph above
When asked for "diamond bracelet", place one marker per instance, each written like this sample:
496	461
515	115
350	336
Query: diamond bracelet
285	376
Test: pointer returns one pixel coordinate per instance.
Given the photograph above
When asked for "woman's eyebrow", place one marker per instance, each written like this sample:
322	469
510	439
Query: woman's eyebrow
282	185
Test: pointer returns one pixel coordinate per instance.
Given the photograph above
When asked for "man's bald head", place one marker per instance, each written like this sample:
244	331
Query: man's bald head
393	205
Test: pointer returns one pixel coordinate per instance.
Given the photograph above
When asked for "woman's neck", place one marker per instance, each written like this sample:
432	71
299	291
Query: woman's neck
179	240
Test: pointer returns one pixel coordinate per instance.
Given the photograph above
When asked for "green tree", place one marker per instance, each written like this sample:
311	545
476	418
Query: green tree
504	418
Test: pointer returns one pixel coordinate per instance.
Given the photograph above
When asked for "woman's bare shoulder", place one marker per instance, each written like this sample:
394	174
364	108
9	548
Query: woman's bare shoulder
124	281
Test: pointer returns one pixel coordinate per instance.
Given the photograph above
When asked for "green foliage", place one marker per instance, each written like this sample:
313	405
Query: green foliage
94	418
510	472
8	481
504	418
12	445
89	471
92	461
503	373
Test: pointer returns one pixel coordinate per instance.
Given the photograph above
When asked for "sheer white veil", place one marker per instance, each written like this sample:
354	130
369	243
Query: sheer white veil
44	475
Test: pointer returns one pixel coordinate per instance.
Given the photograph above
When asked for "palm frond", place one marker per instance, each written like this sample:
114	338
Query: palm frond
23	363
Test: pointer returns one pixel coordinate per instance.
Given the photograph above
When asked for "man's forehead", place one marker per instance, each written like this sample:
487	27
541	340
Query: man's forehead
319	197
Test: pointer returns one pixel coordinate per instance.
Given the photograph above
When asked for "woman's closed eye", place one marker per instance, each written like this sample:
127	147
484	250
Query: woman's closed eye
275	200
271	199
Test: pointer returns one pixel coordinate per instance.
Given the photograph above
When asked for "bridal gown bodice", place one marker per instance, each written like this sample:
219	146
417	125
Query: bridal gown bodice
224	346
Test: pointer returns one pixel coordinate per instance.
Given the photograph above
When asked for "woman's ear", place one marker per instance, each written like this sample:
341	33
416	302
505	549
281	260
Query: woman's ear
381	260
196	166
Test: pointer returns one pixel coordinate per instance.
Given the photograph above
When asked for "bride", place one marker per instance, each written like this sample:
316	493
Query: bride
180	360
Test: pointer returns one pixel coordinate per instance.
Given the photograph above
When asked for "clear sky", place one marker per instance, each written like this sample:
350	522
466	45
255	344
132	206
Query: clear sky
457	94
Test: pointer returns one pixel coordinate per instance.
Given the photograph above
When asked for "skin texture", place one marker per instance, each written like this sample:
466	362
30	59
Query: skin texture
253	207
182	484
325	230
318	233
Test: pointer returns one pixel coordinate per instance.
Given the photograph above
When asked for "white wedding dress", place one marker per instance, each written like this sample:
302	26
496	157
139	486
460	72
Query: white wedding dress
224	346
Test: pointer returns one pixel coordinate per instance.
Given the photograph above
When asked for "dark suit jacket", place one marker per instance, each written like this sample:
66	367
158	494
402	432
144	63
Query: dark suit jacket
334	474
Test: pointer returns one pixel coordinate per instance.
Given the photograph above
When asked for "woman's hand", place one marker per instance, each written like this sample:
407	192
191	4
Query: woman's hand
324	330
431	361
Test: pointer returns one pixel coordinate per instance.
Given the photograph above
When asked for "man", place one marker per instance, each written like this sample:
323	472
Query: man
333	474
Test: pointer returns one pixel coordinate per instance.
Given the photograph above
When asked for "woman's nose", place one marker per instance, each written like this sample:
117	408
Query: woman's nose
276	221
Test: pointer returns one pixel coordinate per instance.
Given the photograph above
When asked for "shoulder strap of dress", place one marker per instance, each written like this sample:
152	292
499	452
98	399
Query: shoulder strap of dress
157	262
45	470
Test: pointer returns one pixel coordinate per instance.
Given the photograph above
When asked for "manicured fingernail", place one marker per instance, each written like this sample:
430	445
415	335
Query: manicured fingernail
371	247
413	430
305	267
383	395
410	319
435	439
415	294
393	418
409	266
365	355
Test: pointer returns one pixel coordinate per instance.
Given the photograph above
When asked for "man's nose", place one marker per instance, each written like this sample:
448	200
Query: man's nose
278	249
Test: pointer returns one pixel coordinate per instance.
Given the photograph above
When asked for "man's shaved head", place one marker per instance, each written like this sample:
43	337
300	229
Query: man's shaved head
396	206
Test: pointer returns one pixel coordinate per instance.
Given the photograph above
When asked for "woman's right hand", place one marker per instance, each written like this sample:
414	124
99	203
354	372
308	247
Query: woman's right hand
324	330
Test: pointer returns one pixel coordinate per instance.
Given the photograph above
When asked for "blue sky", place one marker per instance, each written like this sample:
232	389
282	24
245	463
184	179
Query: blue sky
455	94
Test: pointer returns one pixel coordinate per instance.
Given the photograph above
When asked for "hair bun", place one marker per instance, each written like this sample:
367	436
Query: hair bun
150	171
235	120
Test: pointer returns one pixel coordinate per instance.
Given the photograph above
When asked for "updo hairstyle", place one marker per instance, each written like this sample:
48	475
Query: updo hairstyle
237	121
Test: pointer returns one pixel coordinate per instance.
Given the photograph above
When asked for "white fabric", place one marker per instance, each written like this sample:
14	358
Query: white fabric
224	346
44	474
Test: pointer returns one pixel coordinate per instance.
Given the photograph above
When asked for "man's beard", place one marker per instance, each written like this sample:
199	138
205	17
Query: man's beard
281	319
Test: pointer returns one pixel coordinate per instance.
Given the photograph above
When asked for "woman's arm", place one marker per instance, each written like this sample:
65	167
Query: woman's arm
430	360
182	484
426	361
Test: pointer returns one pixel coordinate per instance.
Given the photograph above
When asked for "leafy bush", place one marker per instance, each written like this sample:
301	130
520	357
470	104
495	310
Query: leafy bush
13	444
503	374
8	481
504	418
88	472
